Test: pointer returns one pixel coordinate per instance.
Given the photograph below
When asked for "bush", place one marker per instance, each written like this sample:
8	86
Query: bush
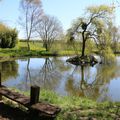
8	37
108	55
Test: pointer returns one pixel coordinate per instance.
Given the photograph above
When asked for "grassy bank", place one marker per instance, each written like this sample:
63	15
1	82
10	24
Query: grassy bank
76	108
37	49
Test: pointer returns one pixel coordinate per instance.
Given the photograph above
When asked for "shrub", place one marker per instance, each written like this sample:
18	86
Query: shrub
8	37
108	55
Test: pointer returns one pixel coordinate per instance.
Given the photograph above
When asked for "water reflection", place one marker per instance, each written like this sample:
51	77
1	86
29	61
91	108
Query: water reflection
8	69
44	74
83	85
47	76
93	82
99	82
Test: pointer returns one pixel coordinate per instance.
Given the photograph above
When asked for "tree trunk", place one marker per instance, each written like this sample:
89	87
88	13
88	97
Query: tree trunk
82	73
46	47
83	45
0	79
0	85
28	45
82	79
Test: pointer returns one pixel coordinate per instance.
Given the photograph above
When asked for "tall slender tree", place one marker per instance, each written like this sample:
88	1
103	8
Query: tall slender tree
31	10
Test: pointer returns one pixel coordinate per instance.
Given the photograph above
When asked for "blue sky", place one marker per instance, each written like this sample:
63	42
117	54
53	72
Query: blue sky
65	10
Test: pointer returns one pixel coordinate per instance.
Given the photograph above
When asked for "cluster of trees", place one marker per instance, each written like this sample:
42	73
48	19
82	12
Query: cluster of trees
37	24
8	36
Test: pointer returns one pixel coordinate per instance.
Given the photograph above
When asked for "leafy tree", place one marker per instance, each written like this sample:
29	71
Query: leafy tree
49	29
31	10
104	43
92	26
8	36
115	32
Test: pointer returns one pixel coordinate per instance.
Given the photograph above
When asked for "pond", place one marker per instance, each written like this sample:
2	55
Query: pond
100	82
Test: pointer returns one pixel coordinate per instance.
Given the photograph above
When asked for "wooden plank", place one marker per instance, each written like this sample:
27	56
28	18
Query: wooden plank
46	108
0	85
15	96
41	107
0	79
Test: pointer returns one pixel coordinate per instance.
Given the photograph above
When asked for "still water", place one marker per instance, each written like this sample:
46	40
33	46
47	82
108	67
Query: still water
101	82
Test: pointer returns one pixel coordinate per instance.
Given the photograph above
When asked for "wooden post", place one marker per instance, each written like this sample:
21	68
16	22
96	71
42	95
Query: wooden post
0	85
0	79
34	94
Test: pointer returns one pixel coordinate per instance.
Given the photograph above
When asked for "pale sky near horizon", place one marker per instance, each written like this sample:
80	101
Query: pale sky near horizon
65	10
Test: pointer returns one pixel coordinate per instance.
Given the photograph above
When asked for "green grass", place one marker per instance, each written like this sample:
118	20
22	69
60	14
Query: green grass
60	48
33	45
36	49
77	108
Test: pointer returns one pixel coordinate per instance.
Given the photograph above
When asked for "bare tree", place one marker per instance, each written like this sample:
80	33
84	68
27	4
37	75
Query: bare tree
49	29
31	10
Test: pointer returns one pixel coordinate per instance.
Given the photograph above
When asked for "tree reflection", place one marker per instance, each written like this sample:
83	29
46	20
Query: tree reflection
61	64
46	75
9	69
25	82
105	73
95	88
49	74
80	87
28	74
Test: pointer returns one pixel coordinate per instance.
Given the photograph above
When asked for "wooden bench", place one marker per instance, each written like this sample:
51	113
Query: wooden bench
45	109
32	102
15	96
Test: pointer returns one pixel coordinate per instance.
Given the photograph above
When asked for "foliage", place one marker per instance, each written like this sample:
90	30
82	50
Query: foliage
93	27
108	55
115	33
8	37
90	47
104	44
